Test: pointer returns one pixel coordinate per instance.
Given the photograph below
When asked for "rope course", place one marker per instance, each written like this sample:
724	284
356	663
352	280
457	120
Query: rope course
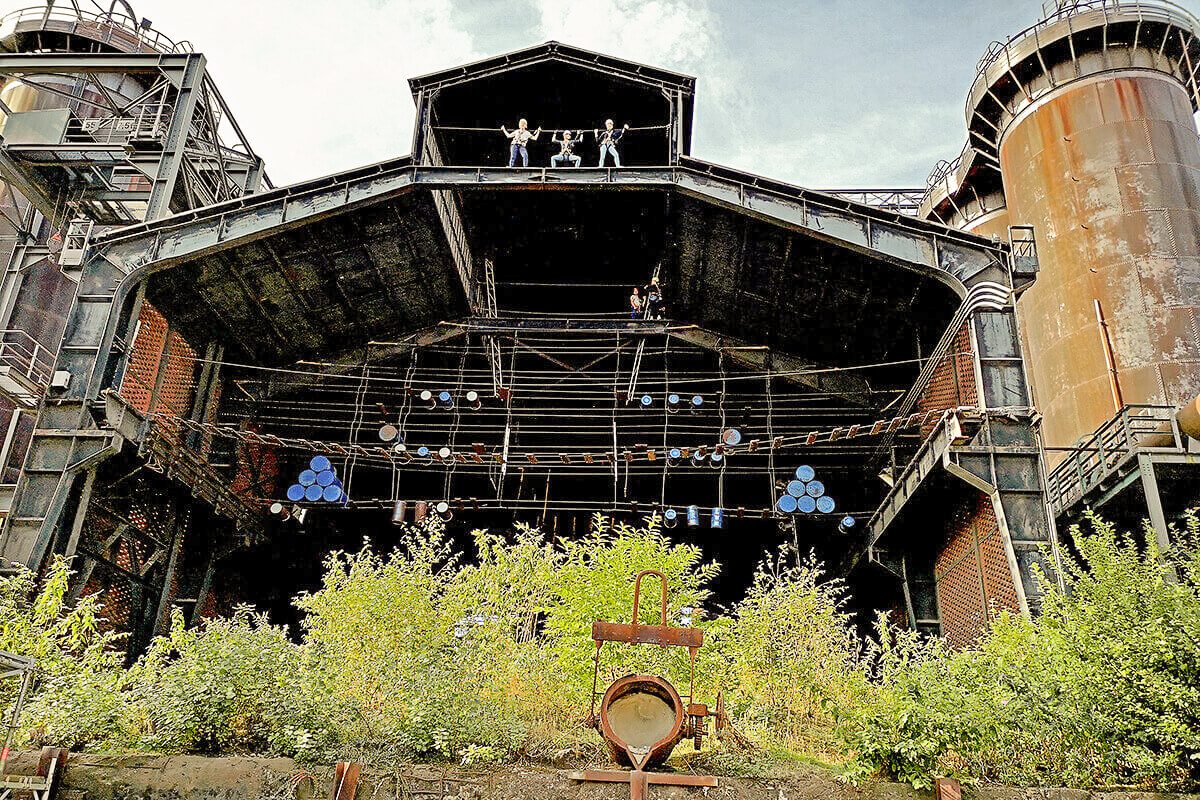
458	456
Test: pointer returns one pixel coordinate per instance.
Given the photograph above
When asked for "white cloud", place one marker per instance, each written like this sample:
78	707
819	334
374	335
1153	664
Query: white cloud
869	150
681	35
319	86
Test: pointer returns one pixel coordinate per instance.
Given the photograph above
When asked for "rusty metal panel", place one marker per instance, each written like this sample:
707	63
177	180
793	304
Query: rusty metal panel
647	634
1108	170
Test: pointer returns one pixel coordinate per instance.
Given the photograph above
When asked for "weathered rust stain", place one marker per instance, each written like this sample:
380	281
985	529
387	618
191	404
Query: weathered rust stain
1088	185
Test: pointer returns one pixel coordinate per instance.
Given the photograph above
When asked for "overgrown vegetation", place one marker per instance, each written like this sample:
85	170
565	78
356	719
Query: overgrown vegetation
422	652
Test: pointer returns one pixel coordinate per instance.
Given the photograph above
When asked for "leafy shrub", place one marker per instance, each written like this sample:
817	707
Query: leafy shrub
1103	689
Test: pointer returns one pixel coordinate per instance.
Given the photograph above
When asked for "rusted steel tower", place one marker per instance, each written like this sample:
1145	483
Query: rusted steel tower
1086	120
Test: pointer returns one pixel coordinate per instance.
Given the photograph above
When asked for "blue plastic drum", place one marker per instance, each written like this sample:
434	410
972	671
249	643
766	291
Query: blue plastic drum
307	478
319	464
717	521
697	401
825	504
805	473
815	489
313	493
693	516
295	493
795	488
331	494
444	398
647	401
847	521
786	504
806	505
326	477
670	514
672	399
423	451
675	453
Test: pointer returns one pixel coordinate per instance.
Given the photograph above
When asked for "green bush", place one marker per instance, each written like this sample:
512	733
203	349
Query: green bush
1103	689
426	652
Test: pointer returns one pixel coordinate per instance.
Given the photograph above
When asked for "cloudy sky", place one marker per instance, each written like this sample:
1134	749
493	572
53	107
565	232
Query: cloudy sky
824	93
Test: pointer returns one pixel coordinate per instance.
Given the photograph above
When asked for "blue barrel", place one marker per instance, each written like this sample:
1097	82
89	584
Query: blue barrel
295	493
313	492
716	461
331	494
319	464
670	515
786	504
673	401
805	473
815	489
444	398
674	454
423	451
847	521
806	505
326	477
717	520
697	401
647	401
697	459
796	488
307	478
825	504
693	516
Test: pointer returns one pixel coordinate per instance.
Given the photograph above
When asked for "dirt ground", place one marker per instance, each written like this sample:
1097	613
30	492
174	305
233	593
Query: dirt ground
147	777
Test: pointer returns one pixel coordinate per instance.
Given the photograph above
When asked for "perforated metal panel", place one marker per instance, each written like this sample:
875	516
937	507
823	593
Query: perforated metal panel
974	580
953	383
137	385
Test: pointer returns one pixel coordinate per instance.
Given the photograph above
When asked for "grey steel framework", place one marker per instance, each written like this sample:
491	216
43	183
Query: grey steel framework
444	275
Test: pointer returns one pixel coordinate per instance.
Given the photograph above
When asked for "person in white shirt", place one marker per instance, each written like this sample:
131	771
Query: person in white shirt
521	137
566	152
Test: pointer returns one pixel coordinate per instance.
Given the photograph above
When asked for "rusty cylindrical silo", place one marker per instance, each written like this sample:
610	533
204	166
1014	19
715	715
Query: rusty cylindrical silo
1089	116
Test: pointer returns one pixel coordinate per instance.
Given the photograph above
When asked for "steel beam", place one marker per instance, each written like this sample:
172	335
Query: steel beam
955	258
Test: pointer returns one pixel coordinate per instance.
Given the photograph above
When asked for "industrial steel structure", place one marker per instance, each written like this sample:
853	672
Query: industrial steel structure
1083	127
205	372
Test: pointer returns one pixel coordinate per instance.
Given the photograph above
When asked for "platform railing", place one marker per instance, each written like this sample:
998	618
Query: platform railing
23	353
114	28
1136	428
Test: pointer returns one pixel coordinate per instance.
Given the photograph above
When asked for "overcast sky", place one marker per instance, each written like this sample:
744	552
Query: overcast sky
823	93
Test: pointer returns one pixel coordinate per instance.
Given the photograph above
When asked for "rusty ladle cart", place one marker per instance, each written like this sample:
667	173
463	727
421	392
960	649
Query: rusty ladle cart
643	717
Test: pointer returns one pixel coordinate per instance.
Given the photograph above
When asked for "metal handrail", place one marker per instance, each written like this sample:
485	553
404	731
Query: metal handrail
114	22
1152	8
27	355
1109	446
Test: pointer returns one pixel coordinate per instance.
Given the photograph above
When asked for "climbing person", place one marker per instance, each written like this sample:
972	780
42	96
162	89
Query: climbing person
566	150
635	303
608	140
656	304
521	138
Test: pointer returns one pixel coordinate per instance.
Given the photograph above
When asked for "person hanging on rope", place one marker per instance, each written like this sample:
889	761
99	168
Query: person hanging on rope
566	150
609	139
635	303
656	305
521	137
